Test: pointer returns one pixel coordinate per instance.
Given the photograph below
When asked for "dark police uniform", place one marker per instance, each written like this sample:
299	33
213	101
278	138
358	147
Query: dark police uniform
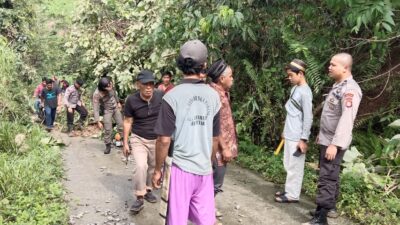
337	121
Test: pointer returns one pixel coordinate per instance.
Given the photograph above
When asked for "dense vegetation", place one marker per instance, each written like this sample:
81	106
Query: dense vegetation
257	38
31	191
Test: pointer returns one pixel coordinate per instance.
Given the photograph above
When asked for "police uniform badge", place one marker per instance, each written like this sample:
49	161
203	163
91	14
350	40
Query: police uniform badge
332	102
348	100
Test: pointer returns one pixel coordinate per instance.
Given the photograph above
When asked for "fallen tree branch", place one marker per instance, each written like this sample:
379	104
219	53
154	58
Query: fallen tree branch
381	75
382	113
371	40
383	89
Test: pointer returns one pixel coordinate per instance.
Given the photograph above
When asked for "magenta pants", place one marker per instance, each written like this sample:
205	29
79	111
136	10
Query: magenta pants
191	197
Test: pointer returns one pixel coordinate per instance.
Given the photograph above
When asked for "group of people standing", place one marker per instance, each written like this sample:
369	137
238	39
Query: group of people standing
192	125
48	99
335	134
195	129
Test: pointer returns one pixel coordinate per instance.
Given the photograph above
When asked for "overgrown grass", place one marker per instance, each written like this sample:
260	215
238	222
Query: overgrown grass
31	191
30	180
357	201
64	8
367	205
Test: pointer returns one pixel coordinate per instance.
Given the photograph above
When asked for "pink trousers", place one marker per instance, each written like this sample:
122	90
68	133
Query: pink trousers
191	197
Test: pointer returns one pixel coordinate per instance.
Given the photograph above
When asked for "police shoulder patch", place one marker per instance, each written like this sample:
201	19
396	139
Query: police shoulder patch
348	99
348	95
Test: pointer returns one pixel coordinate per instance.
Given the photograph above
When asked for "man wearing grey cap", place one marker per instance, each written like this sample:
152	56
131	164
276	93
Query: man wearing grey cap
189	115
141	112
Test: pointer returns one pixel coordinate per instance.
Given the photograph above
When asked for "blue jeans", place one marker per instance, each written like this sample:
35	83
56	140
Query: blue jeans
50	116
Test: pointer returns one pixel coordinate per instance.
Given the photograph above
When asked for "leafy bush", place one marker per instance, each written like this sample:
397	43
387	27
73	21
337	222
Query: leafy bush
31	191
369	206
30	182
362	198
120	37
14	97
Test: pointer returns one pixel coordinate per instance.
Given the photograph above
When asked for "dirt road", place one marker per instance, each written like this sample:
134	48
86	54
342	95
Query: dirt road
99	192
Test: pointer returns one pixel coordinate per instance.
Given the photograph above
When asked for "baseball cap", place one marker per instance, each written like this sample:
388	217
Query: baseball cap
194	50
145	76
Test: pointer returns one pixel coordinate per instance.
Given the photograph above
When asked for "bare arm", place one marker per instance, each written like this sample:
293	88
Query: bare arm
162	146
127	128
214	148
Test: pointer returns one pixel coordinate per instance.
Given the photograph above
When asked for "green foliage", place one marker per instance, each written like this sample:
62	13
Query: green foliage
381	156
314	68
14	96
16	17
30	188
17	23
30	163
258	39
377	15
121	37
8	132
31	191
371	178
366	205
60	8
359	199
54	23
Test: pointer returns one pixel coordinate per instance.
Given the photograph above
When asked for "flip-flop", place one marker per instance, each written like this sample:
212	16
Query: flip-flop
280	193
284	199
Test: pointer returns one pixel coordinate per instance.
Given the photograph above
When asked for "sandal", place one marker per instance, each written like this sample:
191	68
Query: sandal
280	193
284	199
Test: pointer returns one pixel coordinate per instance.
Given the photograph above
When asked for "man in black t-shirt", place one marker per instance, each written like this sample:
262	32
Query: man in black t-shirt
141	112
50	100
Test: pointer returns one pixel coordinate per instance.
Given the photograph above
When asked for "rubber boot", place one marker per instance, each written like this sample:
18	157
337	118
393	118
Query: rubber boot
108	149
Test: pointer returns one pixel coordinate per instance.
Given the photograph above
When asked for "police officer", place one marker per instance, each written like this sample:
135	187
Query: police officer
335	135
106	96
